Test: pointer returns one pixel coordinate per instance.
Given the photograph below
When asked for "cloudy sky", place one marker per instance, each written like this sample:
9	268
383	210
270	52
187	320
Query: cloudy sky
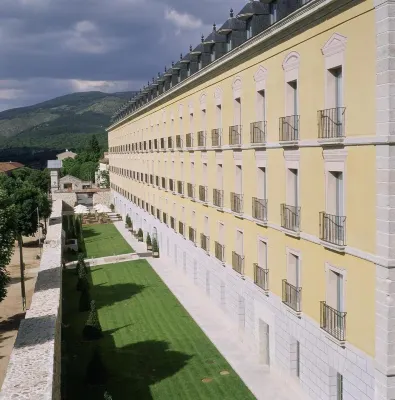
53	47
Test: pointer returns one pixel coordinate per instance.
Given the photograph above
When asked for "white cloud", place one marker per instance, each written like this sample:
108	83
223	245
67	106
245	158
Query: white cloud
9	94
79	85
182	20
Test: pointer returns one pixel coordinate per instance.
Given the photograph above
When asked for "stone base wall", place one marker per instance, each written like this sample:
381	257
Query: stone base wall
33	372
68	198
251	310
102	198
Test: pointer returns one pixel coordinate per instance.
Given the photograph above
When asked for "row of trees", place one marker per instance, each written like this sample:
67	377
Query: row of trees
24	202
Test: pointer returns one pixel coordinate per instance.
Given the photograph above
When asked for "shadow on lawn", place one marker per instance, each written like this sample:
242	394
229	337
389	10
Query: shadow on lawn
140	365
90	232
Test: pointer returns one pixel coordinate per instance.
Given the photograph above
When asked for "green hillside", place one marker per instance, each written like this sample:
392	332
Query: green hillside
28	134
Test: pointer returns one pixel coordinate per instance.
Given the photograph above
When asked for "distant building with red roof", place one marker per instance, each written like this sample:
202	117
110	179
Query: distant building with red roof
8	167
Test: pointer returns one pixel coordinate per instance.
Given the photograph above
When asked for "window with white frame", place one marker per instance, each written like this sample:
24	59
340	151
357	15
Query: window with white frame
293	269
220	177
218	112
261	183
292	189
262	254
273	10
249	28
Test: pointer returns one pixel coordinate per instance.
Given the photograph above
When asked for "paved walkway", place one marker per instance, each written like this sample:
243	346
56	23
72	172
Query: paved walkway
264	384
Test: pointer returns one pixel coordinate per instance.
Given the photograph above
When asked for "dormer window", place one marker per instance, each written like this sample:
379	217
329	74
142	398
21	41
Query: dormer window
229	42
212	53
249	28
179	76
189	70
200	61
273	12
171	83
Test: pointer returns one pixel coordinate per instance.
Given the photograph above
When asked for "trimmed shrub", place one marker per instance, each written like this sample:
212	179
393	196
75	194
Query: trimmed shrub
140	235
85	300
82	283
96	373
148	240
92	329
112	207
155	248
128	221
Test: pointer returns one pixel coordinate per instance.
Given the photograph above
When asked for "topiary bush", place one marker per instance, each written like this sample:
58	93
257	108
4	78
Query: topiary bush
82	283
155	248
112	207
148	241
92	329
128	221
140	235
96	372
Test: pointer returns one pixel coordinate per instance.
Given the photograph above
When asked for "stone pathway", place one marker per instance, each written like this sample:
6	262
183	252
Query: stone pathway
263	383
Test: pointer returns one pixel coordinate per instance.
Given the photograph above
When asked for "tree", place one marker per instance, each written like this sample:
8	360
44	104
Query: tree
148	241
94	145
155	248
82	283
7	239
44	207
96	373
107	396
87	171
92	329
104	179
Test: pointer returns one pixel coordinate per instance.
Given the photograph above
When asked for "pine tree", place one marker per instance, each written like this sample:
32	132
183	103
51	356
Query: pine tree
148	240
155	248
92	329
96	373
82	283
85	300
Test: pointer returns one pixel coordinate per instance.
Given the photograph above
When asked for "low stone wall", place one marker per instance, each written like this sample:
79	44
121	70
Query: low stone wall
103	197
34	369
68	198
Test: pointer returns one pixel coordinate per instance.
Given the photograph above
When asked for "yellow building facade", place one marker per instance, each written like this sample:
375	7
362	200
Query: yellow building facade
265	177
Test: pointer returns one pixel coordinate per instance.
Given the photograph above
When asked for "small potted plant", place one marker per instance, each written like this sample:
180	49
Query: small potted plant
112	207
140	235
155	248
149	243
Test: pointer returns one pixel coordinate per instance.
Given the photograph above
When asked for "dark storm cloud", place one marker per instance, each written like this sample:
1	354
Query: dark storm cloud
53	47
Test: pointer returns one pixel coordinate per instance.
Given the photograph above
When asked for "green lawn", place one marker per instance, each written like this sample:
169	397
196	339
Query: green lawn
152	348
104	240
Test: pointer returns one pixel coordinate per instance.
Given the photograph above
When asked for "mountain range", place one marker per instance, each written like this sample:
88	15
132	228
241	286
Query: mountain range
33	134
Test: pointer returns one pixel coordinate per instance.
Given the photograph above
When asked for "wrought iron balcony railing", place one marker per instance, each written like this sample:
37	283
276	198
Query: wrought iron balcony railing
181	228
172	223
171	185
191	190
204	242
164	183
235	135
192	234
178	142
218	198
201	137
289	128
333	229
261	277
333	321
258	132
220	251
203	193
292	296
331	123
238	263
290	217
180	187
189	140
170	143
259	209
236	202
216	137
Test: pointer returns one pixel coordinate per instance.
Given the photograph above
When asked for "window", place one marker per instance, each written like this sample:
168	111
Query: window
200	62
218	110
239	179
293	270
249	28
239	242
191	123
229	41
292	97
292	187
192	172
212	53
204	120
261	184
335	290
221	233
339	386
261	106
179	76
273	12
220	177
335	99
188	69
335	193
237	111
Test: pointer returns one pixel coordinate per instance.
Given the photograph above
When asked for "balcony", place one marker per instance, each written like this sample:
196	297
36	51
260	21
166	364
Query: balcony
178	142
289	129
181	228
151	179
192	235
218	198
236	202
261	277
333	322
203	193
170	143
172	223
258	133
180	187
157	181
205	242
290	217
189	140
220	252
331	124
333	229
238	263
259	209
235	135
158	214
162	144
201	137
292	296
164	215
153	210
191	190
171	185
164	183
216	137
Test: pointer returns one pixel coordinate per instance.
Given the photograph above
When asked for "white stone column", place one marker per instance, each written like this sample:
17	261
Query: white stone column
385	201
